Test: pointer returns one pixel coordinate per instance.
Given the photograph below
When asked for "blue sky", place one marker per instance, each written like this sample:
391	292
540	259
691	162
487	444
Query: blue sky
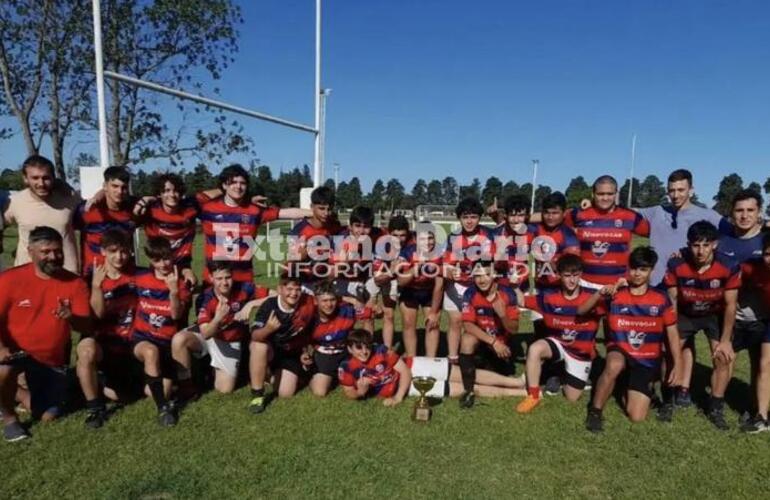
471	89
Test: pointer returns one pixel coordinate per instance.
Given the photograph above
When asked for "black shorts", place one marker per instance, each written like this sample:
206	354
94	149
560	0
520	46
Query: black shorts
750	334
121	370
290	362
711	326
638	377
48	387
167	365
414	298
328	364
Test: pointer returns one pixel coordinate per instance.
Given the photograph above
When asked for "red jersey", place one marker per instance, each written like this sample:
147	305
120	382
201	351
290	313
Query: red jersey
228	232
576	333
27	305
329	336
547	246
478	310
93	223
318	242
755	276
229	329
702	294
464	250
426	268
605	241
512	261
178	228
153	319
380	368
358	253
119	306
637	324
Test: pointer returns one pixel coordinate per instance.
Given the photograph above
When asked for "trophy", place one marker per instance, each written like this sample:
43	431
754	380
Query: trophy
422	411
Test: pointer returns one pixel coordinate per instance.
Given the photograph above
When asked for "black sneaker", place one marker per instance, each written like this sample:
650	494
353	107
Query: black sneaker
755	425
96	418
258	405
467	400
14	432
553	386
594	421
167	416
682	399
717	417
666	412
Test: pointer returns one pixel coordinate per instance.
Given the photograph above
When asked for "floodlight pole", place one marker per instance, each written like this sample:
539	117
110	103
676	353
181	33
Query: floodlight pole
104	150
317	165
336	176
535	163
631	180
322	133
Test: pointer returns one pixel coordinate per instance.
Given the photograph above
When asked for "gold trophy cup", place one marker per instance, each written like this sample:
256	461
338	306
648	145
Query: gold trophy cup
422	411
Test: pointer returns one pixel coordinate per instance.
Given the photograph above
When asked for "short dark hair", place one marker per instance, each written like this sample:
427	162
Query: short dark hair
516	203
38	161
398	223
115	237
362	215
747	194
44	233
359	336
158	248
681	174
116	173
287	278
322	195
702	230
469	205
554	200
569	263
642	257
219	265
231	172
486	264
325	287
604	179
174	179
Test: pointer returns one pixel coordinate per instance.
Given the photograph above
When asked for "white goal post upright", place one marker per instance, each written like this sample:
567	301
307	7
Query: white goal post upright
104	155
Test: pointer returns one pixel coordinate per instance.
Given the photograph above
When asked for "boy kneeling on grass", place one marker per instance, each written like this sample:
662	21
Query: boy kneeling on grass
373	370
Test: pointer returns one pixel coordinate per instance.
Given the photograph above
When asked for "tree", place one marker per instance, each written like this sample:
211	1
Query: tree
729	186
376	198
493	188
578	189
472	190
420	192
82	160
540	193
199	179
510	188
634	194
767	191
394	194
11	180
435	193
652	192
450	191
355	195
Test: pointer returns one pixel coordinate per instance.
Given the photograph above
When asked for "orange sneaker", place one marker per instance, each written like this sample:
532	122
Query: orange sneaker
527	405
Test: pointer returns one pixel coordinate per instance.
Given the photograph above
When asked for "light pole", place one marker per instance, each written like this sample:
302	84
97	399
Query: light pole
631	180
535	164
336	176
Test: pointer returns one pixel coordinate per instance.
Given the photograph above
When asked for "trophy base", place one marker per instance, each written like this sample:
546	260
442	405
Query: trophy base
422	414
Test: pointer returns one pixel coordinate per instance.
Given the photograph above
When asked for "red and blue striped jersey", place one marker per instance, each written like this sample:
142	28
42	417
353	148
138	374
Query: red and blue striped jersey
547	246
478	310
318	242
701	294
576	333
605	241
425	267
119	306
637	324
93	223
228	232
359	254
229	329
178	228
153	308
380	368
512	261
329	336
755	292
464	250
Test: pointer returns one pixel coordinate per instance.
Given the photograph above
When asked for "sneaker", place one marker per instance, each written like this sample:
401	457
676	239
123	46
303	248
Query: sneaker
467	400
258	405
755	425
167	416
14	432
666	412
96	418
553	386
717	417
527	404
682	399
594	421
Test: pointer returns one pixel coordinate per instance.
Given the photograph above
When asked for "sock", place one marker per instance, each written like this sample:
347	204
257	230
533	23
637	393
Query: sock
257	393
667	393
593	409
156	388
534	392
468	371
716	403
95	404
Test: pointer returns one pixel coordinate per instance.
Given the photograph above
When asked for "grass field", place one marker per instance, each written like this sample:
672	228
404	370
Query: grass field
334	448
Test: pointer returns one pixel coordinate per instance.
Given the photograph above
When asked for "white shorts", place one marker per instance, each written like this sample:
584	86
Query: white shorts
437	368
577	368
225	356
453	296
